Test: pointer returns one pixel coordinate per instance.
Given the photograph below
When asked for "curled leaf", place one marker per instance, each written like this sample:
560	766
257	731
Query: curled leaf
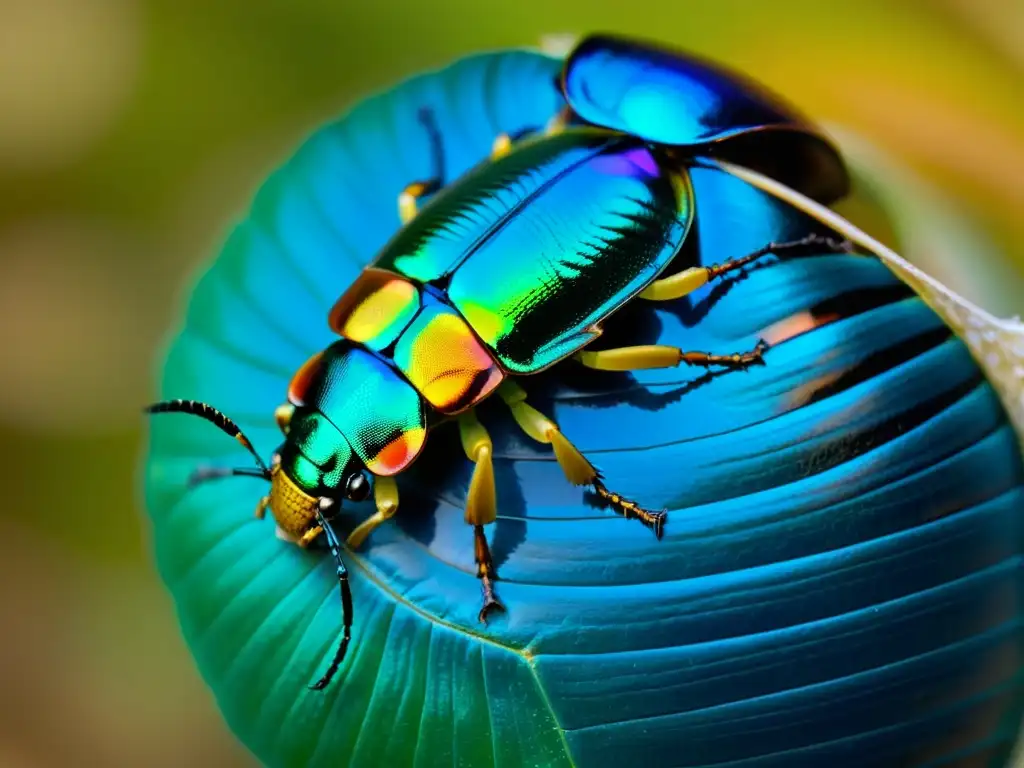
839	582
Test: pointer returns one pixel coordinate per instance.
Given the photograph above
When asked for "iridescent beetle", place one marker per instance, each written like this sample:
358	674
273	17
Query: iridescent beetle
513	268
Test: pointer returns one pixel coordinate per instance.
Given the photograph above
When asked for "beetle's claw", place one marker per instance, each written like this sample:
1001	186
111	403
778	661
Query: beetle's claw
761	347
754	357
491	604
320	684
658	523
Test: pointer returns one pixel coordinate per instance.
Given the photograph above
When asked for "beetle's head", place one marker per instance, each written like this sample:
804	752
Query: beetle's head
299	489
314	468
313	472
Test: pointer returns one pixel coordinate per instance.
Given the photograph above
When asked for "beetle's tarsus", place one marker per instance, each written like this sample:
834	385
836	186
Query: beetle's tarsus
491	603
737	361
487	573
630	510
659	524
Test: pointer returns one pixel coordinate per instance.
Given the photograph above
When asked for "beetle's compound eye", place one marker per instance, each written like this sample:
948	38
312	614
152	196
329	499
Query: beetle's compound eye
326	505
358	487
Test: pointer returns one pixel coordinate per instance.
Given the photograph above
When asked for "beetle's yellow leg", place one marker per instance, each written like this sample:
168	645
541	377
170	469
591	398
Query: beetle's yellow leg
309	536
502	146
505	141
577	469
283	416
678	285
559	121
481	505
261	507
682	283
408	201
662	356
385	495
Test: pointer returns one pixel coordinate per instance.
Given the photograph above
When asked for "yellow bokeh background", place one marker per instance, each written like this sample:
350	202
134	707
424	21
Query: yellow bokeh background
133	131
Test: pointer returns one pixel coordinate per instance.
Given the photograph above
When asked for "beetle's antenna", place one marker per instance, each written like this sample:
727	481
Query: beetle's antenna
215	417
346	600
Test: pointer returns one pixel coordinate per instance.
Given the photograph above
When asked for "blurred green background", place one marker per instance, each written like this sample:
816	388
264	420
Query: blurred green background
132	131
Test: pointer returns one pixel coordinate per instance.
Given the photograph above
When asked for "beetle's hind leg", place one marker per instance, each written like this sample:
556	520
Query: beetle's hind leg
683	283
663	356
481	505
408	199
577	469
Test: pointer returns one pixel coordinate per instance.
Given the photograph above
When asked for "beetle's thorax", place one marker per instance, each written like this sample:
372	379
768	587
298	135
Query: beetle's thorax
292	508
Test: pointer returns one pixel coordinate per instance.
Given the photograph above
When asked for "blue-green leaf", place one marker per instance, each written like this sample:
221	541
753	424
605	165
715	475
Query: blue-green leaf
840	581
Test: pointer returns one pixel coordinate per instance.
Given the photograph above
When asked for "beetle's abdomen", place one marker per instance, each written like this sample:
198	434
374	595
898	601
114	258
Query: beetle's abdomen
427	340
535	289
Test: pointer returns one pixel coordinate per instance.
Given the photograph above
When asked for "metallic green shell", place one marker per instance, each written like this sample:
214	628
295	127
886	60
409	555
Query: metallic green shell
462	215
544	243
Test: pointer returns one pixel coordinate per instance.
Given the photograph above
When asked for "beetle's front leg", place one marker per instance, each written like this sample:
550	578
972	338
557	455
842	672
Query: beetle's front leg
575	466
481	505
683	283
385	496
